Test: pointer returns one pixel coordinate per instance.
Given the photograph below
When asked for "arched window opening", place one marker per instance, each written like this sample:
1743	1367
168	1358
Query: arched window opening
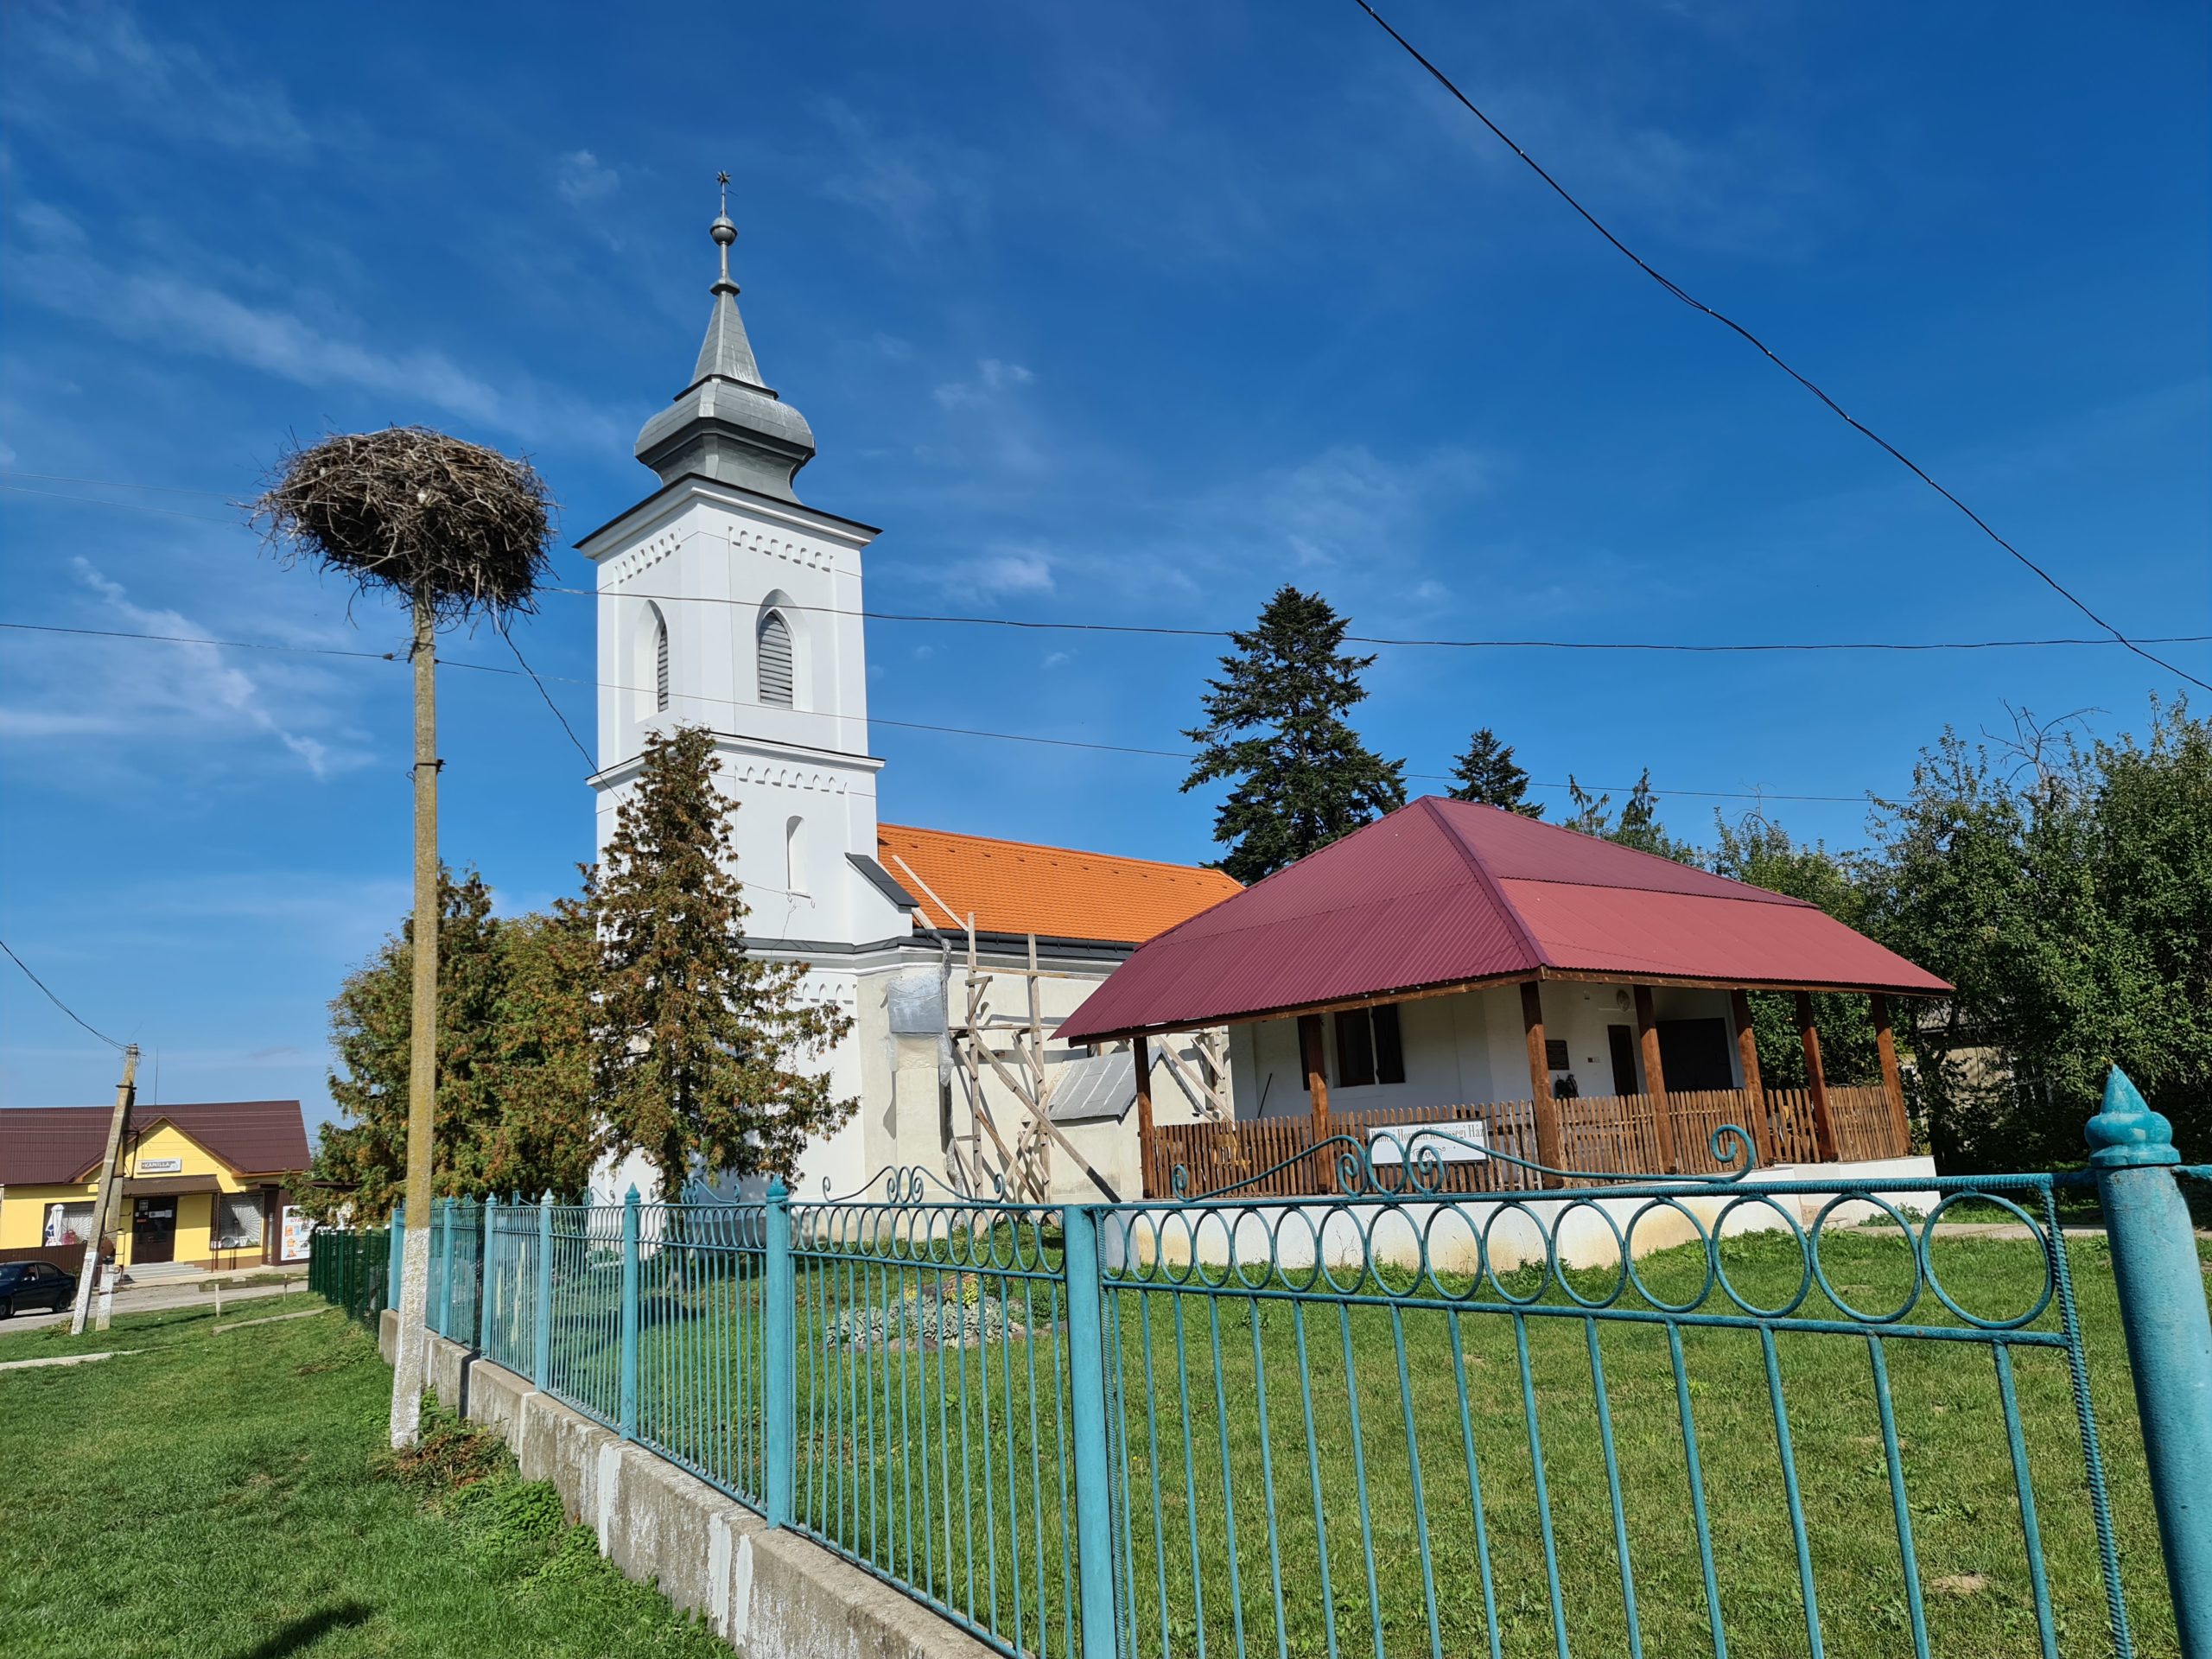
775	652
795	855
660	663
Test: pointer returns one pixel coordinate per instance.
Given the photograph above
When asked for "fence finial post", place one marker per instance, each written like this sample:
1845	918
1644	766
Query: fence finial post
780	1383
1094	1513
2169	1338
628	1408
540	1365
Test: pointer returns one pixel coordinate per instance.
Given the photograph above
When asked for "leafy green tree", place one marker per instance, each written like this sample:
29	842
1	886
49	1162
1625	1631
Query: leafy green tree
1275	725
2066	893
1758	851
512	1107
700	1051
1488	774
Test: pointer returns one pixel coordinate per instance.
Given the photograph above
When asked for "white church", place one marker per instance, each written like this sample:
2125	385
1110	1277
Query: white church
725	601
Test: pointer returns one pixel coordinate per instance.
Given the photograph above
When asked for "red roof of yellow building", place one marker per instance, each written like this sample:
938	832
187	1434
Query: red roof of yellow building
1017	886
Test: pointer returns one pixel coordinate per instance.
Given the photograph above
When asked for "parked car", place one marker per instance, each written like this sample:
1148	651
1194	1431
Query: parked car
26	1285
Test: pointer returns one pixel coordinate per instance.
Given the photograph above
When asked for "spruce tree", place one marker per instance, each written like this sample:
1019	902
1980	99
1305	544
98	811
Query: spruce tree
1487	774
1275	725
700	1049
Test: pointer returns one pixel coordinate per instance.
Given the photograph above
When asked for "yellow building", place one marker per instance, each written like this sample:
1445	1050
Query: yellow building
204	1186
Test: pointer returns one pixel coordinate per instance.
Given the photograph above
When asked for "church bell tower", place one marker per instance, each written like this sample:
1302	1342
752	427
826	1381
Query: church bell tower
726	602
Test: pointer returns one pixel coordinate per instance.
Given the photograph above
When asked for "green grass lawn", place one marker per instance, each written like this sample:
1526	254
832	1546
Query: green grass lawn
227	1496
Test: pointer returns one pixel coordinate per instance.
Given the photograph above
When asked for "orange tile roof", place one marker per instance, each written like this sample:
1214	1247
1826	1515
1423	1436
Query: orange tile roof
1017	886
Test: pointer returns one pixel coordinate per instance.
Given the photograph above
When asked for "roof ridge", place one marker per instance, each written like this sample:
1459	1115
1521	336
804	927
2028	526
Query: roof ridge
1489	882
1050	847
1766	894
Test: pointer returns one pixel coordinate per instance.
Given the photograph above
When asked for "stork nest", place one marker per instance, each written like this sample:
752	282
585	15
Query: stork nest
415	511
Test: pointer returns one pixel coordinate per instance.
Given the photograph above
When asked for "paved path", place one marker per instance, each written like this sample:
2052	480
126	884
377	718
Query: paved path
154	1299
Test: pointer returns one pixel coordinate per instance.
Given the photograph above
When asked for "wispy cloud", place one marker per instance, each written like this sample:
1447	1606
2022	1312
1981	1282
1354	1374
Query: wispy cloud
997	574
188	690
921	184
993	376
585	180
55	267
1348	502
68	53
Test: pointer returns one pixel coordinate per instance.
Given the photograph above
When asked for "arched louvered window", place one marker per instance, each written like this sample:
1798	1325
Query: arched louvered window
660	663
775	649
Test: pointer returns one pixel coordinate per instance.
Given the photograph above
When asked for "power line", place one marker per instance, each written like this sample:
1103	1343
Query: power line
548	695
1719	648
1768	352
57	1001
742	702
1732	647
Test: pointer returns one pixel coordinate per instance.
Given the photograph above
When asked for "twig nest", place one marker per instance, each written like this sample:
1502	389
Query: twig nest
415	511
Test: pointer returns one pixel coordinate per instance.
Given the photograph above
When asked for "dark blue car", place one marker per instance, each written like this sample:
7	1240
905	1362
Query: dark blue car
28	1284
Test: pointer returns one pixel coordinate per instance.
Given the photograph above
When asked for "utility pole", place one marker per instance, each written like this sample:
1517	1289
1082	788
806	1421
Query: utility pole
408	1374
109	1194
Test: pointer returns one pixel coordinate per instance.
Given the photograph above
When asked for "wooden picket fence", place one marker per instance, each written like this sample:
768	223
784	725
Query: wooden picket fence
1603	1134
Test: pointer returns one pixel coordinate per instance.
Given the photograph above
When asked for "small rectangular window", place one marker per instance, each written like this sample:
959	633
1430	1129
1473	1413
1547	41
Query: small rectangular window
66	1223
1355	1049
1369	1048
238	1221
1390	1047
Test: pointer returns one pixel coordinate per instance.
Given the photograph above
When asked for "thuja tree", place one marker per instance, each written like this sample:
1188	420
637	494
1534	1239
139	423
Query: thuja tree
1275	727
513	1107
705	1058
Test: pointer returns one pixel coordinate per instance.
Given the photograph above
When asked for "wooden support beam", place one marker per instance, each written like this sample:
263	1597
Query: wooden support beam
1551	1147
1892	1079
1816	1081
1655	1081
1747	1057
1312	1055
1140	1053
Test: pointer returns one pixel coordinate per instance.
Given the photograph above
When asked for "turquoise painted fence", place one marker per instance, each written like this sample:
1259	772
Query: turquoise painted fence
1412	1421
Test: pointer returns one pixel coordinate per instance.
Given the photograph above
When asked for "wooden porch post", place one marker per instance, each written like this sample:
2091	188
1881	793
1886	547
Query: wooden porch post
1141	1053
1892	1079
1816	1081
1550	1148
1747	1056
1655	1081
1314	1058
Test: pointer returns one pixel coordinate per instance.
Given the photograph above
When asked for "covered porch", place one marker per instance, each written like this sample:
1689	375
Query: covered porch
1653	1130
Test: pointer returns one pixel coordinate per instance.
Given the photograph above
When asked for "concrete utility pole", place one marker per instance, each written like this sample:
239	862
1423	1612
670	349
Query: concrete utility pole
408	1373
109	1194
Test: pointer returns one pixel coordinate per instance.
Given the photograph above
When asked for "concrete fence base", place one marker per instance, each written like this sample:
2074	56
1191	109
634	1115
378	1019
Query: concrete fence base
769	1594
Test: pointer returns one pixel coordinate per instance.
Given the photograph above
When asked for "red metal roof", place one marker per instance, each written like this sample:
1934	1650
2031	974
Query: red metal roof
1443	891
56	1145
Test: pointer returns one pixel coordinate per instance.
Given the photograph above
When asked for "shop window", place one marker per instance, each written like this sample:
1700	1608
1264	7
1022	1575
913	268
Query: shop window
67	1224
1369	1048
238	1221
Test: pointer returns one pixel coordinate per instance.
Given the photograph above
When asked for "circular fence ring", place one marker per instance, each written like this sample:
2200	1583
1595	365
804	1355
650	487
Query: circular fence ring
1797	1298
1460	1214
1251	1215
1620	1247
2035	1231
1166	1267
1303	1218
1912	1254
1329	1225
1489	1254
1628	1256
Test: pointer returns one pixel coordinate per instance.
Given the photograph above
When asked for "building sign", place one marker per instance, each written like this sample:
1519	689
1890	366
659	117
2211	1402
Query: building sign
298	1230
161	1165
1453	1143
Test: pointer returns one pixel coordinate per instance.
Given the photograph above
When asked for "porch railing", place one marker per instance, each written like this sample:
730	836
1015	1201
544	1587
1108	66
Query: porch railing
1605	1134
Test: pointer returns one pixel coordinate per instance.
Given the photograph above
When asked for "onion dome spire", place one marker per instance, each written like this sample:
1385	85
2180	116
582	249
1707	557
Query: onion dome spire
728	424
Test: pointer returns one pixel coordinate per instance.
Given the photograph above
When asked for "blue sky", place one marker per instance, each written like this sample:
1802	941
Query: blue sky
1117	313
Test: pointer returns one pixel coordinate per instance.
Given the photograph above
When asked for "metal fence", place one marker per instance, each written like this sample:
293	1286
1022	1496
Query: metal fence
350	1268
1704	1414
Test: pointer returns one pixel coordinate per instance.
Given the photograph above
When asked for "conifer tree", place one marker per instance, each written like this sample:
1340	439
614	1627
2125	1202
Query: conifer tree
1275	725
1488	774
700	1049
